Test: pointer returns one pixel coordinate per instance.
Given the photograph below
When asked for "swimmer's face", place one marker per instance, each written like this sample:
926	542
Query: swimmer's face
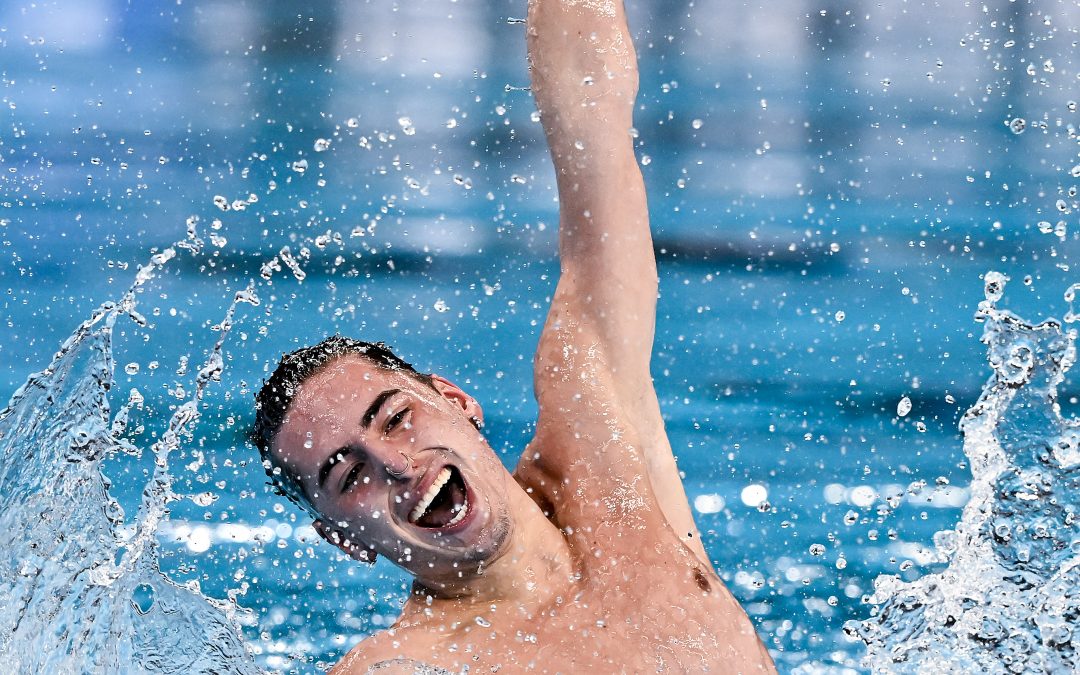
395	467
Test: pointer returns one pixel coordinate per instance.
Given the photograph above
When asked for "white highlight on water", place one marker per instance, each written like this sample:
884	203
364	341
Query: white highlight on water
82	591
1008	600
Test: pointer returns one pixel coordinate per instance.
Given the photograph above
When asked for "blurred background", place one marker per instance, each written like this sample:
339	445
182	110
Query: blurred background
828	182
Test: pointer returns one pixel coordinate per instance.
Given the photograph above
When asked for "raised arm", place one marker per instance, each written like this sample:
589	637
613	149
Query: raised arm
593	358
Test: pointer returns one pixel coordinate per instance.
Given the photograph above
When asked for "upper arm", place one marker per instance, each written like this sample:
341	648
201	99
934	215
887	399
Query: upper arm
584	78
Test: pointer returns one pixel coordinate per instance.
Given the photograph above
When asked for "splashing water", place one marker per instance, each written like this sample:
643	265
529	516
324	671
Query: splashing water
79	595
1009	599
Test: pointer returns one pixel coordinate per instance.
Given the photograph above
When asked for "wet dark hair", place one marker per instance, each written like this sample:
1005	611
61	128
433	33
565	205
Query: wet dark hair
277	393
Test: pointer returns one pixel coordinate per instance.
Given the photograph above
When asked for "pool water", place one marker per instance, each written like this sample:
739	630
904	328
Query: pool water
828	187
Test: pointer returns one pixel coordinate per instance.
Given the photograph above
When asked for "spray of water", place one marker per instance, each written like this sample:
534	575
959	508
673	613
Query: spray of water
1009	598
82	594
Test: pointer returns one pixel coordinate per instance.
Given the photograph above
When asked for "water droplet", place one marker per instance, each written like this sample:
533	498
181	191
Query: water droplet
903	407
300	166
440	306
131	368
840	315
696	124
817	549
710	503
322	144
221	202
352	123
754	495
406	126
994	285
204	498
1017	125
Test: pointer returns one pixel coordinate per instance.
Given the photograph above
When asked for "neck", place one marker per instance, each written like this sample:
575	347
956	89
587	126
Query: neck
532	567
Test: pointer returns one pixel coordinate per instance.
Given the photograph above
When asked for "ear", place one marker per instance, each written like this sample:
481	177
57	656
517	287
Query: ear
453	393
334	536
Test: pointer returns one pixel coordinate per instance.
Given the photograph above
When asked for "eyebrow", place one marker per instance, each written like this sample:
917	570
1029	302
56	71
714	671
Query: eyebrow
373	409
365	422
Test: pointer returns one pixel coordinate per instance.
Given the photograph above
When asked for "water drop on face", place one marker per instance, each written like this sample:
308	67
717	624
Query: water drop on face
1017	125
903	407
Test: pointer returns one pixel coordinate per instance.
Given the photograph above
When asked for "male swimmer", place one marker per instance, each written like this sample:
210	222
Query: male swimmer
586	558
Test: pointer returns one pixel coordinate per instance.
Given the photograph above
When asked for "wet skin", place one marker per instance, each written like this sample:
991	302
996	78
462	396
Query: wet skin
583	551
586	558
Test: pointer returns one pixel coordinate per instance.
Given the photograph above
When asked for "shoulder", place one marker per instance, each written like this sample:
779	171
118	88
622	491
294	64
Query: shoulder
406	666
591	478
390	652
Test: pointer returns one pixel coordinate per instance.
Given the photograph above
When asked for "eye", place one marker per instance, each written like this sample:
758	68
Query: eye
396	420
352	478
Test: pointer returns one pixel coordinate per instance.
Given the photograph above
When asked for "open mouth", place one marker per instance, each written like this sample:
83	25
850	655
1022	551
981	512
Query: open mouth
444	504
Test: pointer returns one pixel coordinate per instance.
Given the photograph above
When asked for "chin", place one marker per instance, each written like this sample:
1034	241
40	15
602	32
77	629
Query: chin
494	541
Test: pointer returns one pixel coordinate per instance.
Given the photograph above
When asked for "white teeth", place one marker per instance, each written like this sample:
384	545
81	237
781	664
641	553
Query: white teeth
422	507
460	514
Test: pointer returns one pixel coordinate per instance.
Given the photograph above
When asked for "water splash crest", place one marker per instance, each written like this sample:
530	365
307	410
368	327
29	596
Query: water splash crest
1009	598
82	594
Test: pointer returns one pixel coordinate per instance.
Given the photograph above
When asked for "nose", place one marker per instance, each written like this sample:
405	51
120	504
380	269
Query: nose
396	471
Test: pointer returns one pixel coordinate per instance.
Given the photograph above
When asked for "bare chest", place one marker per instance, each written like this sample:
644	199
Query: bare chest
659	617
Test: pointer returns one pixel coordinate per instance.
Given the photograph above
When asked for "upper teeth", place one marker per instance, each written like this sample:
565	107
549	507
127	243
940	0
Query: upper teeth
421	508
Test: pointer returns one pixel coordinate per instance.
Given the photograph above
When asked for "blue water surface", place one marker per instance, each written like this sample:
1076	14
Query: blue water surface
828	183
